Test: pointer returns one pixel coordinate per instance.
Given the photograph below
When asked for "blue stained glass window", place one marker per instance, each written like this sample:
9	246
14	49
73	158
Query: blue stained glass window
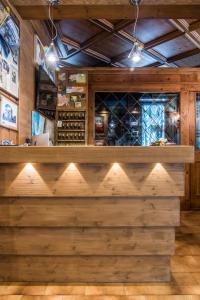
198	121
153	123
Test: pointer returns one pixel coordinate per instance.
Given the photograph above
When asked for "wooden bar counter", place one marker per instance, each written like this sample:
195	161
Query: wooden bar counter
89	214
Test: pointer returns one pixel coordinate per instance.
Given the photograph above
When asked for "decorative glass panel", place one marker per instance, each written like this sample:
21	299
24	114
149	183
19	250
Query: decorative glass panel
136	119
198	121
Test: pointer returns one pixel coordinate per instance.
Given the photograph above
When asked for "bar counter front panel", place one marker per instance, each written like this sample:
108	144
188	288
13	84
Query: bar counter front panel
89	214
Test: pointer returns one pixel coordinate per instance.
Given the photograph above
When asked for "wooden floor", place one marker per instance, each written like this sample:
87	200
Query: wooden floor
185	283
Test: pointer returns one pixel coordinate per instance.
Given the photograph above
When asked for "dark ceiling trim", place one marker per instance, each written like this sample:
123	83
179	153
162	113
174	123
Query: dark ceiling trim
153	65
130	39
163	39
195	25
89	52
183	55
101	36
110	12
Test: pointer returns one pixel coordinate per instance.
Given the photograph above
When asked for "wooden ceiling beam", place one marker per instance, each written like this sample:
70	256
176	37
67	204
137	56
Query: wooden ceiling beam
183	55
131	39
101	36
183	26
74	45
89	52
163	39
107	2
33	12
153	65
150	52
194	26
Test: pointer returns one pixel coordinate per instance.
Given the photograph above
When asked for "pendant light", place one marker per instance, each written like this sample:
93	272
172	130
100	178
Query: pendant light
51	52
136	52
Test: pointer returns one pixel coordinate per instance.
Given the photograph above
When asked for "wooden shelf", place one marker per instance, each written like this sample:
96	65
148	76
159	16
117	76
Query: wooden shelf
76	84
70	109
71	140
63	120
72	130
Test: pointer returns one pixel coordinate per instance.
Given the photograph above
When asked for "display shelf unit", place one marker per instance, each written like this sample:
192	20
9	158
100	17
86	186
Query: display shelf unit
70	131
71	114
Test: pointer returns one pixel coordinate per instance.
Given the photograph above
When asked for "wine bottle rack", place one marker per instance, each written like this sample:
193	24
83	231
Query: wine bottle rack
71	128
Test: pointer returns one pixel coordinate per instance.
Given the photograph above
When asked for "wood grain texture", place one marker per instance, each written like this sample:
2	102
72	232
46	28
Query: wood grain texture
195	185
90	180
81	11
107	2
82	154
89	212
8	134
84	268
87	241
183	285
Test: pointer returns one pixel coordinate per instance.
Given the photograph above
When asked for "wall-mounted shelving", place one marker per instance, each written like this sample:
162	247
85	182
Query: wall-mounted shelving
71	114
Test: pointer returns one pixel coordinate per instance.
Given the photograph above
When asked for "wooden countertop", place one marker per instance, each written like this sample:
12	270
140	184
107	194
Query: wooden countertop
91	154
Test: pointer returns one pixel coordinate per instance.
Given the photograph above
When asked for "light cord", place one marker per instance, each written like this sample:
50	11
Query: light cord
53	26
135	3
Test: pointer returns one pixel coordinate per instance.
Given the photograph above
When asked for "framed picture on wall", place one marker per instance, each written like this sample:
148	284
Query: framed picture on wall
9	56
38	123
40	59
8	113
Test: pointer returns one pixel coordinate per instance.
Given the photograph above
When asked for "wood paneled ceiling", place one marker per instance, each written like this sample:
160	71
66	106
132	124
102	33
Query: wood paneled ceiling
101	42
87	37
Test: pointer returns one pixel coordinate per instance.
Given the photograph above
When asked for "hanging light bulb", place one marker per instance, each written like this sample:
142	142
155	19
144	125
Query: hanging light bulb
136	53
51	54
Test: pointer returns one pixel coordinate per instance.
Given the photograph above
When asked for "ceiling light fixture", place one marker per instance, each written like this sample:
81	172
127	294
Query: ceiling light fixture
51	52
136	52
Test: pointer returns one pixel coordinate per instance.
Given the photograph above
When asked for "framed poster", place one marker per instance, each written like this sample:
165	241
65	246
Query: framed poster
9	56
38	122
41	125
79	78
40	59
8	113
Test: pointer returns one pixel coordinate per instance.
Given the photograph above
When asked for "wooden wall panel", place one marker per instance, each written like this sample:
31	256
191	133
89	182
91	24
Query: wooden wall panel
90	180
194	171
184	112
8	134
91	212
195	185
87	241
27	80
26	74
84	268
123	79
